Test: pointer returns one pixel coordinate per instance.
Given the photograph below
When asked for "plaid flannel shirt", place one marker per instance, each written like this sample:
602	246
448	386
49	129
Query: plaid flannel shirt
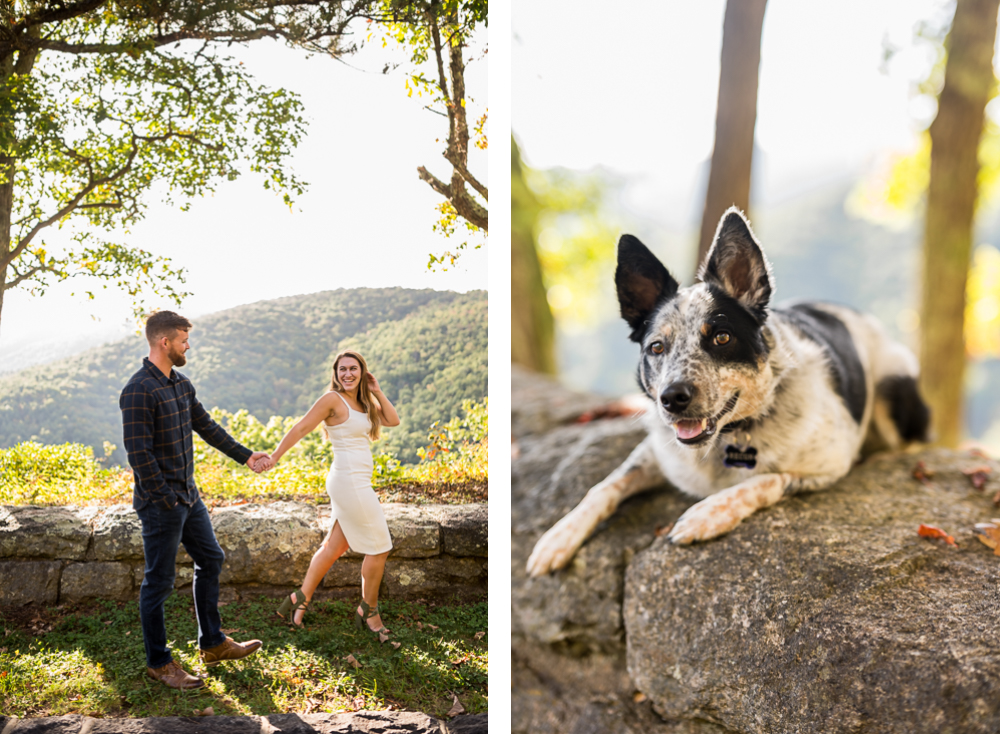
158	413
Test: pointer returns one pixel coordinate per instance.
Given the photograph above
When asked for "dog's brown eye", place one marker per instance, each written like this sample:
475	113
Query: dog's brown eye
656	347
722	338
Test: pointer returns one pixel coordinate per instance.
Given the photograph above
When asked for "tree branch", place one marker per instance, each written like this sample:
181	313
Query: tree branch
435	183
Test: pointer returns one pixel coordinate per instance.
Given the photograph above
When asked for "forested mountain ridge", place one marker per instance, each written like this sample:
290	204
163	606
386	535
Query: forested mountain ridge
274	358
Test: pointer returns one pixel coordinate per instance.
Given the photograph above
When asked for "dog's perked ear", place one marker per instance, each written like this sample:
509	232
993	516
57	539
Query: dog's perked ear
642	282
737	265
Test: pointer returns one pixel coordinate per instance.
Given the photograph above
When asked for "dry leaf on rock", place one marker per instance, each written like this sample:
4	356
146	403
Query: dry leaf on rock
662	530
923	473
978	475
353	661
989	534
932	533
457	708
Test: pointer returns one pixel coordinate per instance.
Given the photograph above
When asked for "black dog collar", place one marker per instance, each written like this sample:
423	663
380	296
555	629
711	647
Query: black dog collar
740	454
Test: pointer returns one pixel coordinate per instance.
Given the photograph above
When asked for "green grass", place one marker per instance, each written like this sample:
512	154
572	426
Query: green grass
89	660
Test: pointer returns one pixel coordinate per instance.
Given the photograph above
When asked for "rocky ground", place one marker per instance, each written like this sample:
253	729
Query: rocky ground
825	613
362	722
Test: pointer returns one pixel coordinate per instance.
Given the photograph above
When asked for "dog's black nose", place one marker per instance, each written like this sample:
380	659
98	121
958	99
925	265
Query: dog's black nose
677	397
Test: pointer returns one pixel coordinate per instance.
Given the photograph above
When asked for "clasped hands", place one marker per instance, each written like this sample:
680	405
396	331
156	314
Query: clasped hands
260	462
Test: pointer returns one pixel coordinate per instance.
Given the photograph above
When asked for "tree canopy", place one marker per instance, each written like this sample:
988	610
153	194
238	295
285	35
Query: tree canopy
107	104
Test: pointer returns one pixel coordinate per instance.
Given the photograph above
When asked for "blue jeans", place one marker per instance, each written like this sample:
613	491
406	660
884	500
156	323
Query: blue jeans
162	532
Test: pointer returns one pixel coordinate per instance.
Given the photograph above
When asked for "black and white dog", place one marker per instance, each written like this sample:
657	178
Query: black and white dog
750	404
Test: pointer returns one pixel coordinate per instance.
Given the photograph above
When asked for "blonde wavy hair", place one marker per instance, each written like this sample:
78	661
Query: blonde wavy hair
365	400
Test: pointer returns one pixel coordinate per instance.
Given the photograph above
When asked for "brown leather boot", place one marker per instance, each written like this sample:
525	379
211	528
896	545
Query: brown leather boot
175	676
229	650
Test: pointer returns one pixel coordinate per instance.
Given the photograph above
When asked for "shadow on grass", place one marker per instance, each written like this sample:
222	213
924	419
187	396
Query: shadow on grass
90	660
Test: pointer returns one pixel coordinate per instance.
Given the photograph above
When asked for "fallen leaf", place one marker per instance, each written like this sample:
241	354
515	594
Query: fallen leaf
457	708
396	644
639	697
989	535
977	475
922	473
382	637
208	711
479	635
353	661
932	533
461	660
420	626
433	626
662	530
128	633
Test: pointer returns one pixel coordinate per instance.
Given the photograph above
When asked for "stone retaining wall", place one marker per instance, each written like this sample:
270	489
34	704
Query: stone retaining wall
53	555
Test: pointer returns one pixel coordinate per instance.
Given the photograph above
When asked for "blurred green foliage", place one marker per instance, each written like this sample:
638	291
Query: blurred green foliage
455	452
428	349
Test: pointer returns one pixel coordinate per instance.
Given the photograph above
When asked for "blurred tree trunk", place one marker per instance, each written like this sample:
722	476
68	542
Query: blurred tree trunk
735	116
532	329
969	82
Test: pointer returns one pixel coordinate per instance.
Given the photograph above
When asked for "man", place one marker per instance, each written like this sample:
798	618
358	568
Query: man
159	410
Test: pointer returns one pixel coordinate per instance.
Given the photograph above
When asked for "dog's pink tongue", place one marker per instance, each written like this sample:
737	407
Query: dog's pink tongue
688	429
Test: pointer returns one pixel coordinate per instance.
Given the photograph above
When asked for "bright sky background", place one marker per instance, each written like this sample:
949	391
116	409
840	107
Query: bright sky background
634	89
365	220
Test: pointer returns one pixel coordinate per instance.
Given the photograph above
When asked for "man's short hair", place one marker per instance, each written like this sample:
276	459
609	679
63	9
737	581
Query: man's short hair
164	324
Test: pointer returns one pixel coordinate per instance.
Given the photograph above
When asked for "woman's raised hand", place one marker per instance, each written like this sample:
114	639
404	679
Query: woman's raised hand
373	383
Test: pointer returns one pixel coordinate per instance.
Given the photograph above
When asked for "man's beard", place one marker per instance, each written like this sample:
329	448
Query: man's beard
177	359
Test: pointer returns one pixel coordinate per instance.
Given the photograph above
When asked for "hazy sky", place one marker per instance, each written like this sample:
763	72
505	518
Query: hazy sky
365	221
634	89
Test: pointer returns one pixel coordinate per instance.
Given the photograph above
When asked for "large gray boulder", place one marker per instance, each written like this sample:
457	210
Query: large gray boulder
829	609
825	613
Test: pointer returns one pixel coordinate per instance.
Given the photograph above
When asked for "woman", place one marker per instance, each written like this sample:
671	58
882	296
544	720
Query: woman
352	412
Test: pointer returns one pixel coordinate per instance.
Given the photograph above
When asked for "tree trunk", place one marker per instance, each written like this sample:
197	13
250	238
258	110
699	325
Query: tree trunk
951	198
735	116
532	328
6	187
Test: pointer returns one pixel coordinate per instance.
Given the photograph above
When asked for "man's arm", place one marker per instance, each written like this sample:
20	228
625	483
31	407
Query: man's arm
138	415
216	436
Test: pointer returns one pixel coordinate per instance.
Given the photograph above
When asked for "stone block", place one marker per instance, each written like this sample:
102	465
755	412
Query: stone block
96	580
432	577
117	534
26	582
464	528
268	544
415	532
43	532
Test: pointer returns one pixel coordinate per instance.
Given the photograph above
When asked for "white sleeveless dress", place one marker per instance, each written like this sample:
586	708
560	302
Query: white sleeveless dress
349	484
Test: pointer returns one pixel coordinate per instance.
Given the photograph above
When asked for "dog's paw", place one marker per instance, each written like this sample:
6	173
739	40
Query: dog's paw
556	548
710	518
